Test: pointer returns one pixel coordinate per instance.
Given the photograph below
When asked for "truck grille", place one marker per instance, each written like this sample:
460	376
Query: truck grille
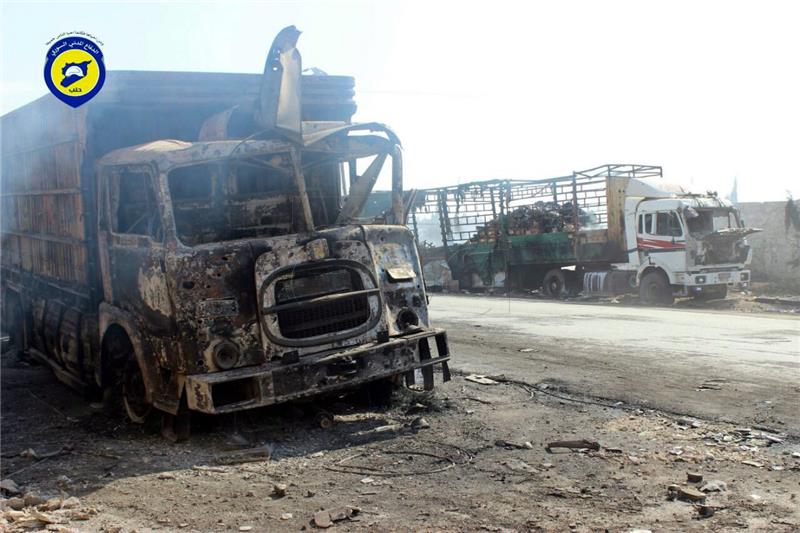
324	318
331	299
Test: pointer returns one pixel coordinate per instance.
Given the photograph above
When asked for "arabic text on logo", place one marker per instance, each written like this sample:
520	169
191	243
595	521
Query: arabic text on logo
74	70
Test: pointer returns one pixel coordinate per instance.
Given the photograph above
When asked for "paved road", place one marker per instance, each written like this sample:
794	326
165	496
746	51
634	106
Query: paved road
741	367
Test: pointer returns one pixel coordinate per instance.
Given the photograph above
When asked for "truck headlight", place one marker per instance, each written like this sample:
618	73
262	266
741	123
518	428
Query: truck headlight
407	319
700	280
226	355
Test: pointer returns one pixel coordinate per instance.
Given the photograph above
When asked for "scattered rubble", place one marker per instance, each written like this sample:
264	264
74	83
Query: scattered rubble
34	512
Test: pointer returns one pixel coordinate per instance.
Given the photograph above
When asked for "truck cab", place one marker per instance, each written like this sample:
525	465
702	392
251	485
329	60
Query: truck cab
243	276
686	245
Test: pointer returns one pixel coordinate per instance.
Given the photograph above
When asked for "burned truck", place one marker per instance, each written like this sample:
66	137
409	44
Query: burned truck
202	249
606	230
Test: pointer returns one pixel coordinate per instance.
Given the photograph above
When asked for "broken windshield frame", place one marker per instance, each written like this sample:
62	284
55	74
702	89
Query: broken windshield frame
701	222
279	193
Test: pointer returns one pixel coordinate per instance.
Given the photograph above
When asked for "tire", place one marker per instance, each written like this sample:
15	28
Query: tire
716	292
554	284
123	384
654	289
134	394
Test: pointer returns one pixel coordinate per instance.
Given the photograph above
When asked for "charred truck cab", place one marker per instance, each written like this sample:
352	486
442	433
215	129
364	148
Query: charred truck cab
246	277
227	272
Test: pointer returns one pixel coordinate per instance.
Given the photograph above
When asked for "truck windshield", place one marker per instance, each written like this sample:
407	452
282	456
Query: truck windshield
701	222
248	197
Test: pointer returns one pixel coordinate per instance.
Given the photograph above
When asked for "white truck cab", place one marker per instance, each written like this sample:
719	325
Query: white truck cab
683	244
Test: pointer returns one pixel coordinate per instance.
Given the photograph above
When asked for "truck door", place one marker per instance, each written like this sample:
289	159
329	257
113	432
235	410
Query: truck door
661	240
132	246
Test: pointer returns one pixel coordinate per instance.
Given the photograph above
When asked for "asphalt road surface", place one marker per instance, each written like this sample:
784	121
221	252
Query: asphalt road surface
737	367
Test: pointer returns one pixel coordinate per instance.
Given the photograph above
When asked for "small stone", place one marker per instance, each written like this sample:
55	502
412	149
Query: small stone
52	504
694	477
420	423
16	503
752	463
315	455
706	511
322	519
279	490
70	503
714	486
8	486
341	513
367	480
166	475
310	494
32	499
245	528
691	494
796	455
76	514
286	516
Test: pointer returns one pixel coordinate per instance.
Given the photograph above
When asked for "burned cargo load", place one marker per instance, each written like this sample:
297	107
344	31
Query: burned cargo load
201	246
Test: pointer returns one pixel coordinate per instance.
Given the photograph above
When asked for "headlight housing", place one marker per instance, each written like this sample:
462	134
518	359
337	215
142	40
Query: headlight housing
226	355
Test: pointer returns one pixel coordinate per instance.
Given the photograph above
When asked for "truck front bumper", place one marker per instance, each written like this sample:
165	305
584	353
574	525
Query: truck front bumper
706	279
276	382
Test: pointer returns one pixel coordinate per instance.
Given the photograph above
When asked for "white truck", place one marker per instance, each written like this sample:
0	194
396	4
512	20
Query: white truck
607	230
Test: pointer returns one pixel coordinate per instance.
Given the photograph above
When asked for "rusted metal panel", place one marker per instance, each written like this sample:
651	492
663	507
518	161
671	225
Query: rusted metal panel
278	106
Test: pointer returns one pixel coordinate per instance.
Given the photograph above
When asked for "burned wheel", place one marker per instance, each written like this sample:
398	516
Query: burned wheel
554	284
654	289
134	393
123	383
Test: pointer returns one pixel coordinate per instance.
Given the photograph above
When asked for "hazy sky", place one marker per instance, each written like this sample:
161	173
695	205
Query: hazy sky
709	90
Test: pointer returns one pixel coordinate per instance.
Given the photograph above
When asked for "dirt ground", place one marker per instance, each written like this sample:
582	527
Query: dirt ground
467	457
